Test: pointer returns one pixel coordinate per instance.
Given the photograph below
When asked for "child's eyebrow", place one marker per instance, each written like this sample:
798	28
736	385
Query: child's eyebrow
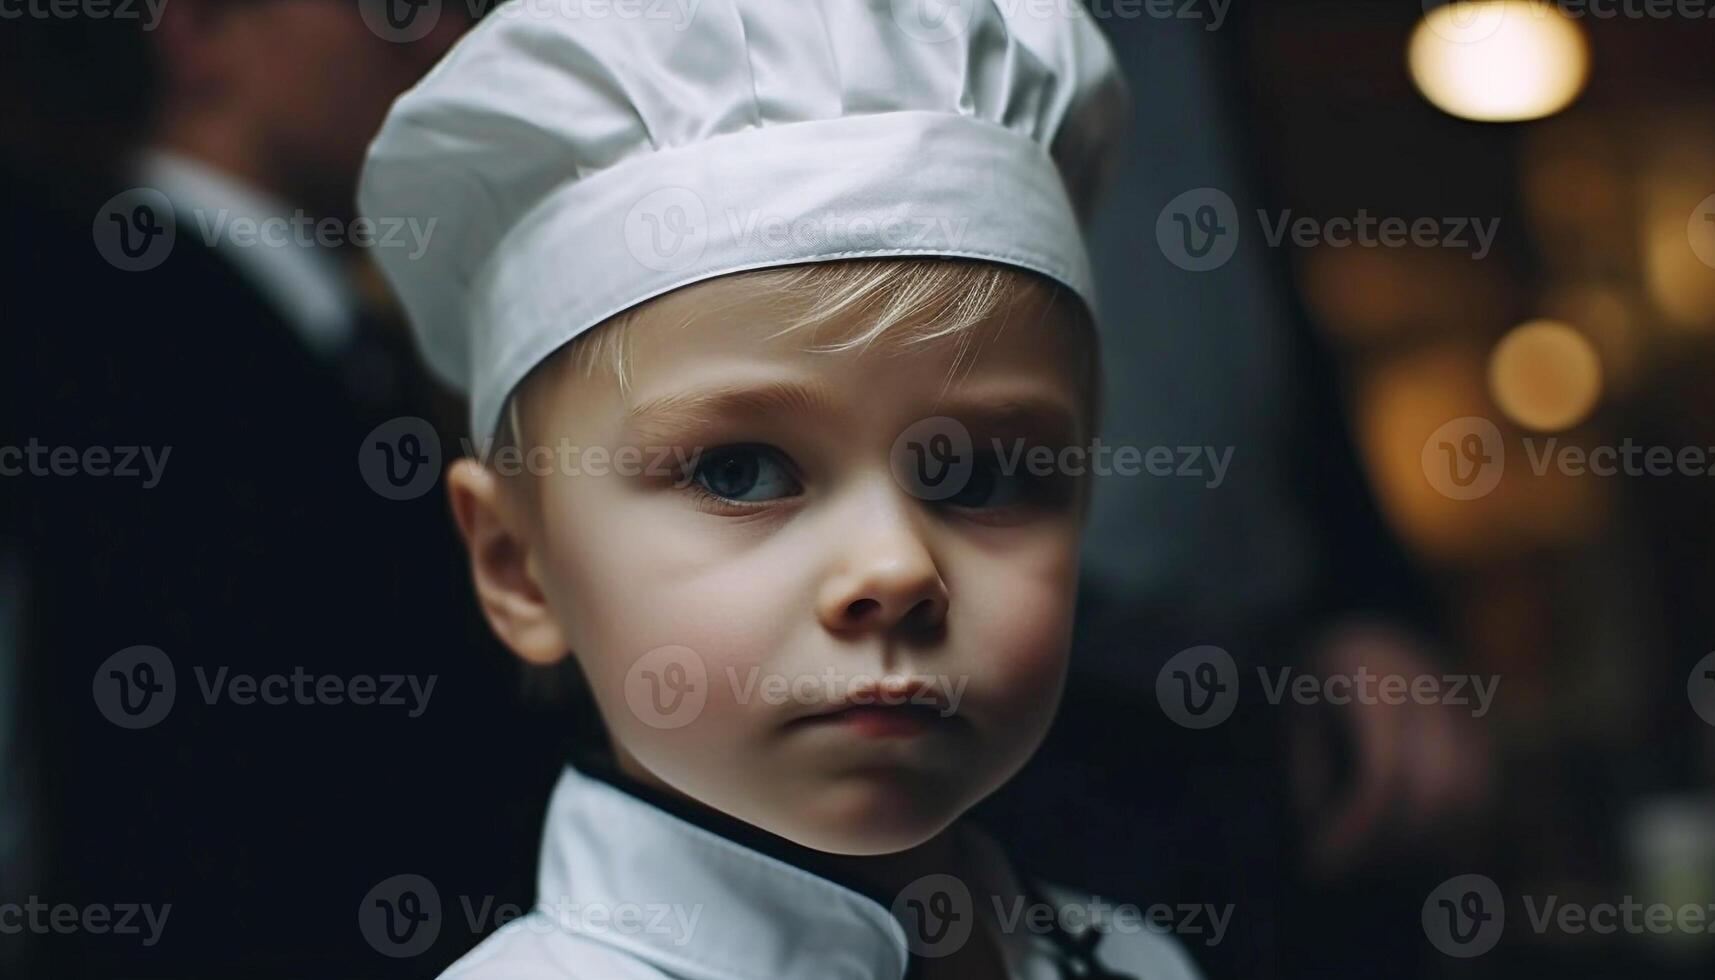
675	411
1038	417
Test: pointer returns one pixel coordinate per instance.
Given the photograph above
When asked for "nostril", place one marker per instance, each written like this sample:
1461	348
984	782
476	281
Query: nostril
861	609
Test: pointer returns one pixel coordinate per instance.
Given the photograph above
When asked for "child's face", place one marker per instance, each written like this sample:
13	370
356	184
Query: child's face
720	614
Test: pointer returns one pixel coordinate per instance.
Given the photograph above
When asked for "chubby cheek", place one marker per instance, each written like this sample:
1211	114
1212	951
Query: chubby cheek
674	637
1016	617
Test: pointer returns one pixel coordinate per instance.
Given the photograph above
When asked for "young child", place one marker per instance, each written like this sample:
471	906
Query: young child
773	316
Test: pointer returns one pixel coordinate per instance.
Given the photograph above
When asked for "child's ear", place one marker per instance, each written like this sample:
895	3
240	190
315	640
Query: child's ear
502	565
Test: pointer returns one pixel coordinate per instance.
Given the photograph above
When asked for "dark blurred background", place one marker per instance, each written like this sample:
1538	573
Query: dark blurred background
1357	527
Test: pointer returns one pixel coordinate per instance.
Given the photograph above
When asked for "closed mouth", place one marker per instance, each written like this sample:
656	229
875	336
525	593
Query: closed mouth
882	719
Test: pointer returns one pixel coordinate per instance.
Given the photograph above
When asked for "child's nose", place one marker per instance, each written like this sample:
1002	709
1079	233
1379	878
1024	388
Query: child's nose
887	579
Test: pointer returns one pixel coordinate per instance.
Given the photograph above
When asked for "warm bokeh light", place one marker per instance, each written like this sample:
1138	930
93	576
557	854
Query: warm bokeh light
1545	375
1678	228
1499	60
1607	316
1401	404
1383	295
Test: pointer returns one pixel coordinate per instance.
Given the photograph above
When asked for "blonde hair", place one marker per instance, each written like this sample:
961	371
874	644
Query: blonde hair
905	302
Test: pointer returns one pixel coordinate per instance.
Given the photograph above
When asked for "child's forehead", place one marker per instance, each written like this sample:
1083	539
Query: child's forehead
721	354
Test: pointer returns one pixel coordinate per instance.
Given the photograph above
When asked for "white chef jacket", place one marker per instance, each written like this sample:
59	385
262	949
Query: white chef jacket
628	890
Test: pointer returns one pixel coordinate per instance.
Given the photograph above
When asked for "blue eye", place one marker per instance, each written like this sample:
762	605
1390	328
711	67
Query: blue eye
744	473
989	487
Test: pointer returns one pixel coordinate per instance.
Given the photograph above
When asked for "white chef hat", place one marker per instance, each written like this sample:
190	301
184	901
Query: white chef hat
578	159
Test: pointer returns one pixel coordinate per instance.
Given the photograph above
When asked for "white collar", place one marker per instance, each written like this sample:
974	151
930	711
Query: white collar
298	278
758	917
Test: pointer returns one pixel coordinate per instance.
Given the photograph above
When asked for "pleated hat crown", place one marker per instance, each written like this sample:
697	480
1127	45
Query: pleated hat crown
577	159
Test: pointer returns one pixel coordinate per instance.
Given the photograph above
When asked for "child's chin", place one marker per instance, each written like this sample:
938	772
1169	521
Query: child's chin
863	818
863	841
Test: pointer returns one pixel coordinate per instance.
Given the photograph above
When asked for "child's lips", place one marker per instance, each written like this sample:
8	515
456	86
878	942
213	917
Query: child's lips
899	709
880	720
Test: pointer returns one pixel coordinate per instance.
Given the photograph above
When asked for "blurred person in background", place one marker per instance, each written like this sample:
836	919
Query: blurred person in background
248	366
